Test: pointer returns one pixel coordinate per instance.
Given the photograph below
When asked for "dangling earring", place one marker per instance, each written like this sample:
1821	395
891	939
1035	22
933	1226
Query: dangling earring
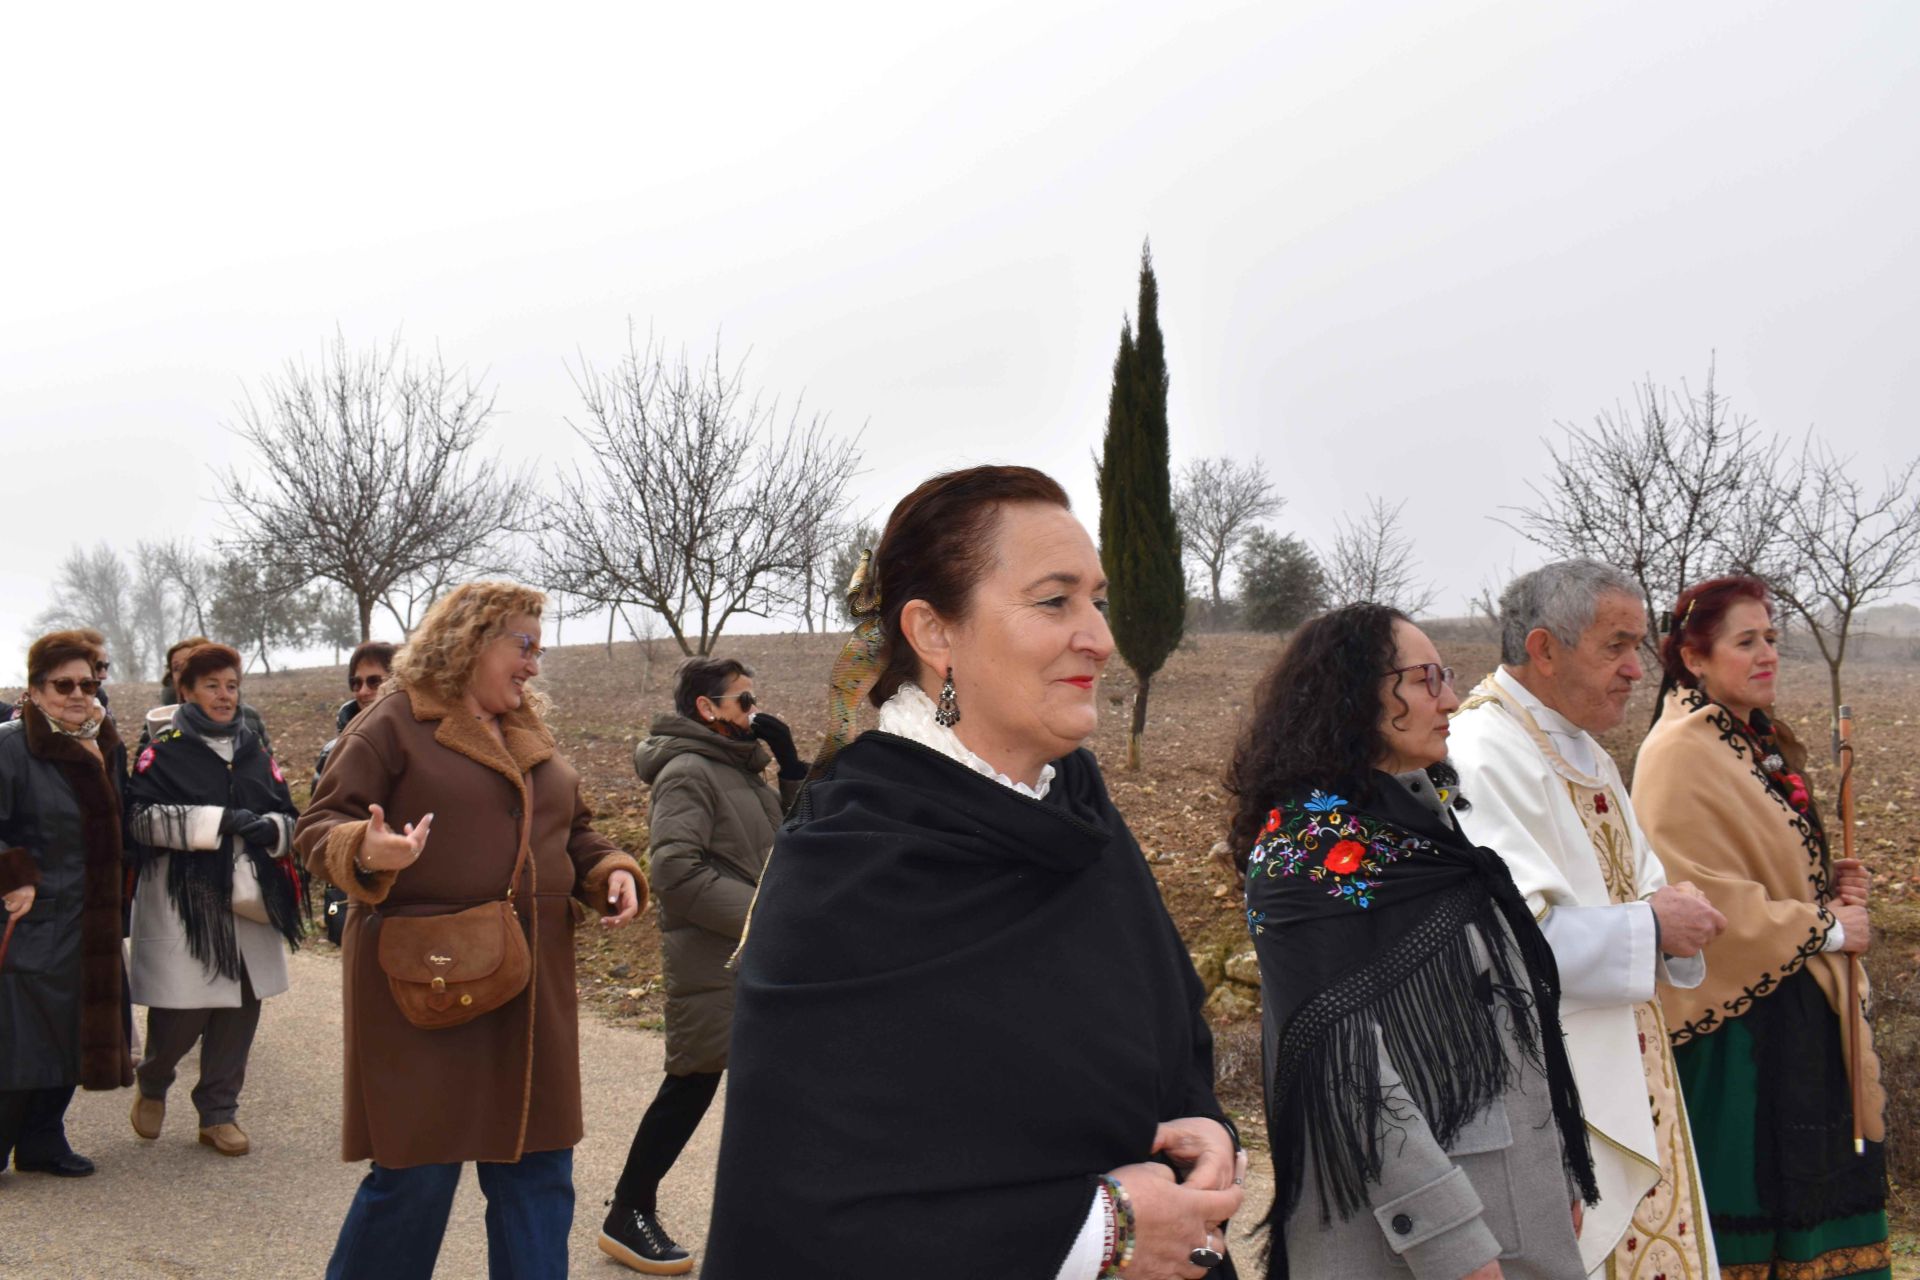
947	713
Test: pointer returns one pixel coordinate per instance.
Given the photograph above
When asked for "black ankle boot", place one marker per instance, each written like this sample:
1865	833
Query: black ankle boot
635	1238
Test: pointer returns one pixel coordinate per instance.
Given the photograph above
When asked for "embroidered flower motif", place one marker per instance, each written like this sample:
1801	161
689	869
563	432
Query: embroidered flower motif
1344	859
145	762
1600	803
1318	839
274	765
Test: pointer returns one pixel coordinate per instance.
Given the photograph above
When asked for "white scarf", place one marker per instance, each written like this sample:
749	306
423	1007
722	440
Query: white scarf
909	714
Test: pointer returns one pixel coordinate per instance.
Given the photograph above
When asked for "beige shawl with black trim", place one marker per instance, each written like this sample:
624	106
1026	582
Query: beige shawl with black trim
1705	804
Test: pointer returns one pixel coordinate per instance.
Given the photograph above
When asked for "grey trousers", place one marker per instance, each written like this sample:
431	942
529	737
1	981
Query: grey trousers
226	1038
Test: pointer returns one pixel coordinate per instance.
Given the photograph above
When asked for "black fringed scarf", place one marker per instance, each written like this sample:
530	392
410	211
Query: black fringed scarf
1359	913
177	771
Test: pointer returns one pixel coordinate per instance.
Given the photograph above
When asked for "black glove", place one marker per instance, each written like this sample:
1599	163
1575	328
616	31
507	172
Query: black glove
263	831
236	820
779	739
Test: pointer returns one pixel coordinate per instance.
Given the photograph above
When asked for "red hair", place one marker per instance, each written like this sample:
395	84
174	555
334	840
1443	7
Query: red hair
1696	618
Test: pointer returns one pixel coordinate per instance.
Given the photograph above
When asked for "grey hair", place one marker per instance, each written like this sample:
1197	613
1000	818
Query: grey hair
703	677
1562	598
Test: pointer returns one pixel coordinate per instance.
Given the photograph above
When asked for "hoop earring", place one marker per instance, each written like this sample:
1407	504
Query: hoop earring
946	713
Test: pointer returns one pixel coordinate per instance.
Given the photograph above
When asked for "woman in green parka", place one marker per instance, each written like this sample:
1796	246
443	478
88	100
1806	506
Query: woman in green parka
712	819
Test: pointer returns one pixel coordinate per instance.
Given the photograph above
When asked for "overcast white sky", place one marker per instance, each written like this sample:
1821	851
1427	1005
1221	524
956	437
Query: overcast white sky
1395	241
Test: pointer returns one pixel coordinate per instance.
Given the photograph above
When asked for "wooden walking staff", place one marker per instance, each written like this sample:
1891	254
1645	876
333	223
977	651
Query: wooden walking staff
1845	739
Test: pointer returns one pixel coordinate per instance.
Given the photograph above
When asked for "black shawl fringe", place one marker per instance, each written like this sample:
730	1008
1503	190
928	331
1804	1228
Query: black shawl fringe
1435	1012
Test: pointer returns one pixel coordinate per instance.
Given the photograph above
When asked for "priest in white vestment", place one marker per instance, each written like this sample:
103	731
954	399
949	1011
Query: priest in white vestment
1551	802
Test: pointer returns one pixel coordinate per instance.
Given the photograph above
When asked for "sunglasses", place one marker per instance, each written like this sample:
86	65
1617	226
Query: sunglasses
372	682
65	685
101	668
1435	675
529	646
745	696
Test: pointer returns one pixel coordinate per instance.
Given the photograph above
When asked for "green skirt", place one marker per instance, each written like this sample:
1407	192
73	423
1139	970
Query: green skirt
1767	1095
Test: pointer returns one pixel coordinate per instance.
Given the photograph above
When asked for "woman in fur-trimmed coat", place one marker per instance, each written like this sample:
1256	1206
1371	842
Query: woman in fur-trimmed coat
64	1016
429	803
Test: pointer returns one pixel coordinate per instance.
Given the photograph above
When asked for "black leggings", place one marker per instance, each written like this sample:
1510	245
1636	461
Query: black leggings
665	1129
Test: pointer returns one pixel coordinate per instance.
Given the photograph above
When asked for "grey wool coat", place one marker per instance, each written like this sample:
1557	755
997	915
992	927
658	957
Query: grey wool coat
1500	1189
713	819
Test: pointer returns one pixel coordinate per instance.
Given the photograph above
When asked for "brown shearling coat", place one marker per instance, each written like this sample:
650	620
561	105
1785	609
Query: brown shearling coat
507	1082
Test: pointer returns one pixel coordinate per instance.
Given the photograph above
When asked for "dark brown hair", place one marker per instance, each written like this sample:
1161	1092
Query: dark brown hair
56	649
204	661
937	547
1695	621
191	642
701	677
378	651
1315	721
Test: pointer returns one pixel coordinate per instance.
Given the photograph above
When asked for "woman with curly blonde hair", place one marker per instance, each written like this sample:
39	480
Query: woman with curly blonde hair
461	1044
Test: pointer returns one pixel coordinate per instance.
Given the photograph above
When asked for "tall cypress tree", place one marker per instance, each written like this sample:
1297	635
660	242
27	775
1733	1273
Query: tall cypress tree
1139	538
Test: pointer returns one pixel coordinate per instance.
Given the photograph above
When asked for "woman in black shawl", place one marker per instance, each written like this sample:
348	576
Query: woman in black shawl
1420	1105
967	1039
216	905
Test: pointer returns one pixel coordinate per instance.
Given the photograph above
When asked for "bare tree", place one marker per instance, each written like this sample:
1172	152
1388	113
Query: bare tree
336	620
812	585
191	578
366	476
1671	490
1840	548
696	507
1371	559
255	614
1218	502
96	589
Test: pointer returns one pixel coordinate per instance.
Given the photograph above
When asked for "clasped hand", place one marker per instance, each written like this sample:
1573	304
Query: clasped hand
1688	922
1172	1216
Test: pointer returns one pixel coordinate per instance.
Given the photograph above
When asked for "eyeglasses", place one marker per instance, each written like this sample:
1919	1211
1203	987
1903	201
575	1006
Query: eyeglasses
372	682
745	696
65	685
101	668
529	646
1433	673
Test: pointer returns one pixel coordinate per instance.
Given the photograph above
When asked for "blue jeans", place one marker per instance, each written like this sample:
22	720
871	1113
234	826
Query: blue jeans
399	1216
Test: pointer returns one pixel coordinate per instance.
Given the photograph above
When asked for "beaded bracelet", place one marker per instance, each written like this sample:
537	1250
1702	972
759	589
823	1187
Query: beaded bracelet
1120	1249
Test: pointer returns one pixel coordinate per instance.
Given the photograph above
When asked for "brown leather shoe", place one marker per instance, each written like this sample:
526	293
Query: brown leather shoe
148	1115
228	1139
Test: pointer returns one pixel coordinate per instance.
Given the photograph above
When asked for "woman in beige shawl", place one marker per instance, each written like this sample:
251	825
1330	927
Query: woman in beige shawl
1760	1046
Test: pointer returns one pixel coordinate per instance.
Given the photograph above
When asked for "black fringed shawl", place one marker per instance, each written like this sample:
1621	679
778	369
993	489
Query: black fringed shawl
1359	913
178	770
956	1006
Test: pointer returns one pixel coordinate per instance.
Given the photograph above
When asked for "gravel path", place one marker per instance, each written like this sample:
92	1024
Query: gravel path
175	1209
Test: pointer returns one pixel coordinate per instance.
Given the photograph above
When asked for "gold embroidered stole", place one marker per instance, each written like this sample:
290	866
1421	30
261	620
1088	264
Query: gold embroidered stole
1665	1238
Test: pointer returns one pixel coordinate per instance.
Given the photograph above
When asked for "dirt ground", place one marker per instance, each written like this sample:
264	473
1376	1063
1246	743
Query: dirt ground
603	702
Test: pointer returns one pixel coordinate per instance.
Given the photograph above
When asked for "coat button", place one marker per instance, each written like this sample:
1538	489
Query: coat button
1402	1224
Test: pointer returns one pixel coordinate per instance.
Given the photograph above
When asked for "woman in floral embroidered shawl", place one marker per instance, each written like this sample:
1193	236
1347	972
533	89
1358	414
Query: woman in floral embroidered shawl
1420	1104
1721	791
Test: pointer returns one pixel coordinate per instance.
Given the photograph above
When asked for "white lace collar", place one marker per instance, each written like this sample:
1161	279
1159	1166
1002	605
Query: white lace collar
909	714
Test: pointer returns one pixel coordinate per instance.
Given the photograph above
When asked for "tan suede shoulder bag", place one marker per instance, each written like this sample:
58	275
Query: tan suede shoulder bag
448	969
